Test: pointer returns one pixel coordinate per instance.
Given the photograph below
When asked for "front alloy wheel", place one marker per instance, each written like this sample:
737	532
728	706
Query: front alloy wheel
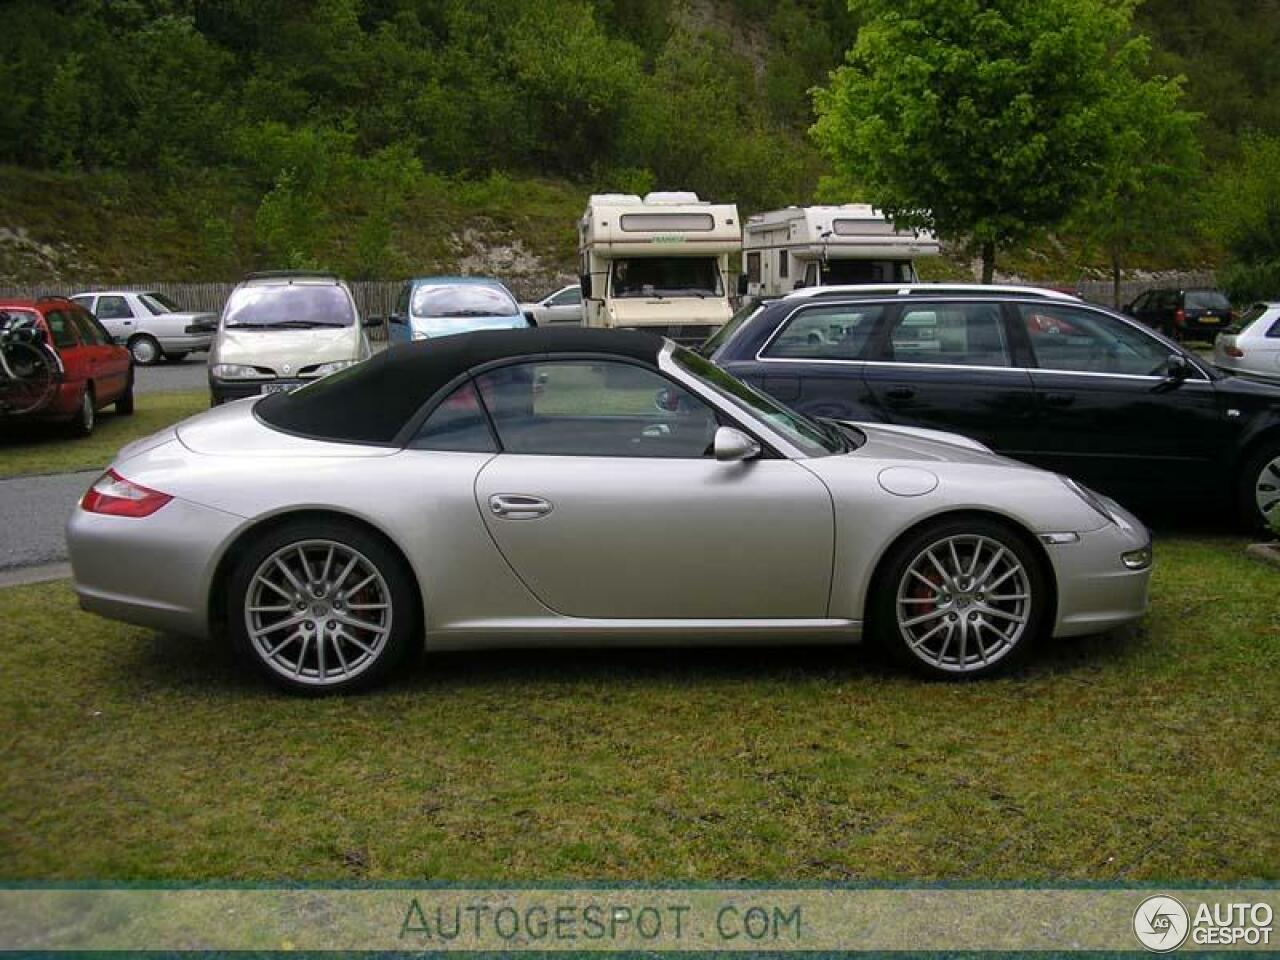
323	611
967	599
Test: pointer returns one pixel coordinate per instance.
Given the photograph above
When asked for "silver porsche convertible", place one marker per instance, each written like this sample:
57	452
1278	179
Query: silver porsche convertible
565	486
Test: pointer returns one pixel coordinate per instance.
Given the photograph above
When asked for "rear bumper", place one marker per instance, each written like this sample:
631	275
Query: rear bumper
1096	591
152	571
186	344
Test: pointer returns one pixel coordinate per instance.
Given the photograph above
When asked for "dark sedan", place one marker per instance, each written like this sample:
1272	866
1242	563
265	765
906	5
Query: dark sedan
1035	375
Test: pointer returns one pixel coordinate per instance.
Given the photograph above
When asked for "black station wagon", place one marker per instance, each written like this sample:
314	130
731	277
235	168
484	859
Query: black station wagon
1034	374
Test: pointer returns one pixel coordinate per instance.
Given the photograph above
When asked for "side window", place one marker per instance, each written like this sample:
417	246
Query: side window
61	329
826	333
753	267
84	301
811	275
114	308
783	265
1066	338
595	409
457	423
567	298
968	334
90	330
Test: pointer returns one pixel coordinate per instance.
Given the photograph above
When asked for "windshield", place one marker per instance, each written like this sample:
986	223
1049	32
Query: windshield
158	303
840	271
1207	300
282	306
814	438
725	333
453	300
667	277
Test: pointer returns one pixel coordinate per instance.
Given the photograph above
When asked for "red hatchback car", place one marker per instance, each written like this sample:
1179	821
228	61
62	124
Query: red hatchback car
95	372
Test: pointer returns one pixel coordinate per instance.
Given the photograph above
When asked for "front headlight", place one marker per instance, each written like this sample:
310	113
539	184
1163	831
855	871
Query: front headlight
237	371
333	367
1089	497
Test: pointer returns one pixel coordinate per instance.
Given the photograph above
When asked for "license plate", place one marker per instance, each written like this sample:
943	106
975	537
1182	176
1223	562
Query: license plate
276	388
1209	318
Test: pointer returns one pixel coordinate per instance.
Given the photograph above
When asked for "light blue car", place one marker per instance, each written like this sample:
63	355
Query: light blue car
439	306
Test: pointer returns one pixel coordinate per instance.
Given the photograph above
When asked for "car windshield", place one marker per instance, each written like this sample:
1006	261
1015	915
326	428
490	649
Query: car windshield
814	438
725	333
667	277
158	303
454	300
290	305
1207	300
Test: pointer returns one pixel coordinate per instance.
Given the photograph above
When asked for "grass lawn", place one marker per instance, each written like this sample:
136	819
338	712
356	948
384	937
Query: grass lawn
29	448
1149	756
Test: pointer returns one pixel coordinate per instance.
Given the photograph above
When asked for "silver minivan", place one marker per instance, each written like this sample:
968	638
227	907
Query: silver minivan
282	329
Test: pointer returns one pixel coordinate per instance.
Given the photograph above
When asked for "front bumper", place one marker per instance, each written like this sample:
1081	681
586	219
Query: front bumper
151	571
1096	591
223	391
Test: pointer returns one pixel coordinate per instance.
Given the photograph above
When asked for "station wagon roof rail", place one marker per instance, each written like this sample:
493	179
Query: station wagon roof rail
942	289
292	275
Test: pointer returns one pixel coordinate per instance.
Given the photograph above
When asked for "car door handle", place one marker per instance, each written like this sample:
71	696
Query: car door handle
1059	399
900	393
517	506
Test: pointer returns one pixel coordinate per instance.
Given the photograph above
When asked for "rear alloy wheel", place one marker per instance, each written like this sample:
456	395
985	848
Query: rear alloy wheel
1260	490
145	350
322	607
86	416
963	598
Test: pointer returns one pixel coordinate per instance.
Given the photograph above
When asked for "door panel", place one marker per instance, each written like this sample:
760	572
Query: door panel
950	366
620	537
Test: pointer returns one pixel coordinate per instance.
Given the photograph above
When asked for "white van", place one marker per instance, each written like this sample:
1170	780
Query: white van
660	263
282	329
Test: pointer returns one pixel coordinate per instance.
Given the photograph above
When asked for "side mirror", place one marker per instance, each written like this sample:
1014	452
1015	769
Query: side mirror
395	318
734	446
742	284
667	400
530	320
374	321
1178	368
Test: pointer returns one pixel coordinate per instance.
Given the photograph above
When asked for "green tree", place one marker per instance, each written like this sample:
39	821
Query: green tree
983	120
1244	213
1139	200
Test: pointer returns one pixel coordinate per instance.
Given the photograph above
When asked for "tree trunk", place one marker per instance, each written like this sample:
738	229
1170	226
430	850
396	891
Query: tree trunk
988	260
1115	279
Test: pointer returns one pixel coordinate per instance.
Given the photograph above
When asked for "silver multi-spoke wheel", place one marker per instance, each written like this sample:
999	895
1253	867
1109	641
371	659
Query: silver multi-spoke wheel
1266	490
318	612
963	603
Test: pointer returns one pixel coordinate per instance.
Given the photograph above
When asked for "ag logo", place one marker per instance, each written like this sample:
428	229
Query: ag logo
1161	923
286	369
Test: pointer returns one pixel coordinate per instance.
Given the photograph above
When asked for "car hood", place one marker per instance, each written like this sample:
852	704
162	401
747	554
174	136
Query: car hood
277	349
232	430
891	442
448	326
668	311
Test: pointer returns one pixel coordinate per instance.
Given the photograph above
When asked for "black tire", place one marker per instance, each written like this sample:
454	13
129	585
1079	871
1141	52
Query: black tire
1260	473
124	403
86	416
175	356
967	609
145	349
400	641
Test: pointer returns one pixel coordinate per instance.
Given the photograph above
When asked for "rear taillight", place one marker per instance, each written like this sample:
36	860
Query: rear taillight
115	496
1231	350
1180	317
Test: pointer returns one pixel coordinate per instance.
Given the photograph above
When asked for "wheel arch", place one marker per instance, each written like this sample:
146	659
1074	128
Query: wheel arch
217	592
880	567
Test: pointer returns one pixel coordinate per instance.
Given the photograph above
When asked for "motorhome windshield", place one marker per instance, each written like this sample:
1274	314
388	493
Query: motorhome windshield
839	271
667	277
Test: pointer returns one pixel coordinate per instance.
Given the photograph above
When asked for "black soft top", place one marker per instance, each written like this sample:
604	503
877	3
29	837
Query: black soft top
372	401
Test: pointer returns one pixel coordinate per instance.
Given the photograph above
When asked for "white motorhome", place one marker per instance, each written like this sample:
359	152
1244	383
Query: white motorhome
784	250
660	263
